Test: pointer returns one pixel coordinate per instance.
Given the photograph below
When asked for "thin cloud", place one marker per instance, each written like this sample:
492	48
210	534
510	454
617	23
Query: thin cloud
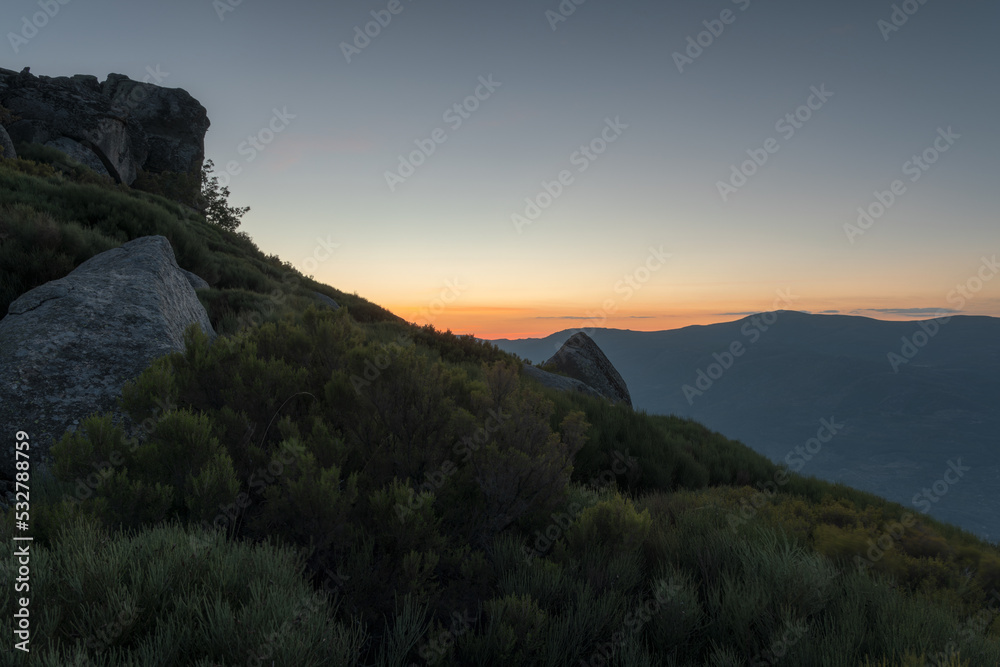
907	311
592	317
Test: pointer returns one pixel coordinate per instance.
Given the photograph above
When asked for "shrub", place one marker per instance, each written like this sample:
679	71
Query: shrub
318	498
183	188
523	466
148	598
610	527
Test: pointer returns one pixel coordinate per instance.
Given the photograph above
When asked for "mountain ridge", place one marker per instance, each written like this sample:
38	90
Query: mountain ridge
771	395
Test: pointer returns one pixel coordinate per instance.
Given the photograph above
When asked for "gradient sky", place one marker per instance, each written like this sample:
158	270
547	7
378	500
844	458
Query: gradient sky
441	246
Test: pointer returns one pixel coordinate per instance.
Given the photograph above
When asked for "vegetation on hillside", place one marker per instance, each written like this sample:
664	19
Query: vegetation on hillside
320	487
55	214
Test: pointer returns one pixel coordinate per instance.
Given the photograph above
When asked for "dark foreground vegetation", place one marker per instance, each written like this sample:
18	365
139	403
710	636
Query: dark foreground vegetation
342	488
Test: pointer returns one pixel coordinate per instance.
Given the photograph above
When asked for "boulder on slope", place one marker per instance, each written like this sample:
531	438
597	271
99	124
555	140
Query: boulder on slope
580	358
67	347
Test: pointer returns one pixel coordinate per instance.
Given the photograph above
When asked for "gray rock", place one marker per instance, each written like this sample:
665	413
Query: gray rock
582	359
81	154
560	382
68	346
6	145
326	301
128	125
197	282
174	122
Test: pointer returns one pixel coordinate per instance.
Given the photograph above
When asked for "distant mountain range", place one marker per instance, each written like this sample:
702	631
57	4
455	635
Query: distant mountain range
907	410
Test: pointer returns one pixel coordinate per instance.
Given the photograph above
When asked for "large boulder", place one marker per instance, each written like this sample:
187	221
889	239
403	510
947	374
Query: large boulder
580	358
127	126
67	347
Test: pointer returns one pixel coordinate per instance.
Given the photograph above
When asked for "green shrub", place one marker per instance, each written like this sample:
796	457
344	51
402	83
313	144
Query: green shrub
149	598
183	188
611	526
319	499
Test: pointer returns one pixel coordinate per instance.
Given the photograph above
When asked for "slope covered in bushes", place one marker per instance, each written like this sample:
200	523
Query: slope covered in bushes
342	488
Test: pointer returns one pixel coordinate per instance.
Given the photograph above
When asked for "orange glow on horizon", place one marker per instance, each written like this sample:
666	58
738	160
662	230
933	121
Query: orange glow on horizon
494	322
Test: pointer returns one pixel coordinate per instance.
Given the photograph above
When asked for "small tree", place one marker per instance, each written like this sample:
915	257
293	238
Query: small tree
215	201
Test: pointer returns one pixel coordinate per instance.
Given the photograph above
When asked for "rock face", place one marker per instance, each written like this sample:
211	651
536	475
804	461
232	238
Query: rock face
560	382
124	125
326	301
6	144
80	153
197	282
68	346
581	359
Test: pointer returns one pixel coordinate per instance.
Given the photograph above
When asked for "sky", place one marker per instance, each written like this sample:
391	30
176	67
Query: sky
512	169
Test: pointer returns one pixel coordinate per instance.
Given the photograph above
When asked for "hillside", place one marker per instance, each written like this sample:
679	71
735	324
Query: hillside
897	430
339	487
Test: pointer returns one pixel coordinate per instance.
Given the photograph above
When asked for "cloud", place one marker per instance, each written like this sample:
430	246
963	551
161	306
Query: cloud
914	312
829	312
592	317
749	312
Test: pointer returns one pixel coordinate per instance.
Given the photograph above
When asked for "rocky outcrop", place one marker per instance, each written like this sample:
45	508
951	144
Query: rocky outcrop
326	301
68	346
197	282
174	122
124	125
6	145
560	382
80	153
580	358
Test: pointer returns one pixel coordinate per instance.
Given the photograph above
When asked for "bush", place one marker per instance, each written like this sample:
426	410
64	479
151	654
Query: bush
165	596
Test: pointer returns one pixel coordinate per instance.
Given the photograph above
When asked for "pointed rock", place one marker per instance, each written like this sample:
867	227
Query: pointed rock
580	358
